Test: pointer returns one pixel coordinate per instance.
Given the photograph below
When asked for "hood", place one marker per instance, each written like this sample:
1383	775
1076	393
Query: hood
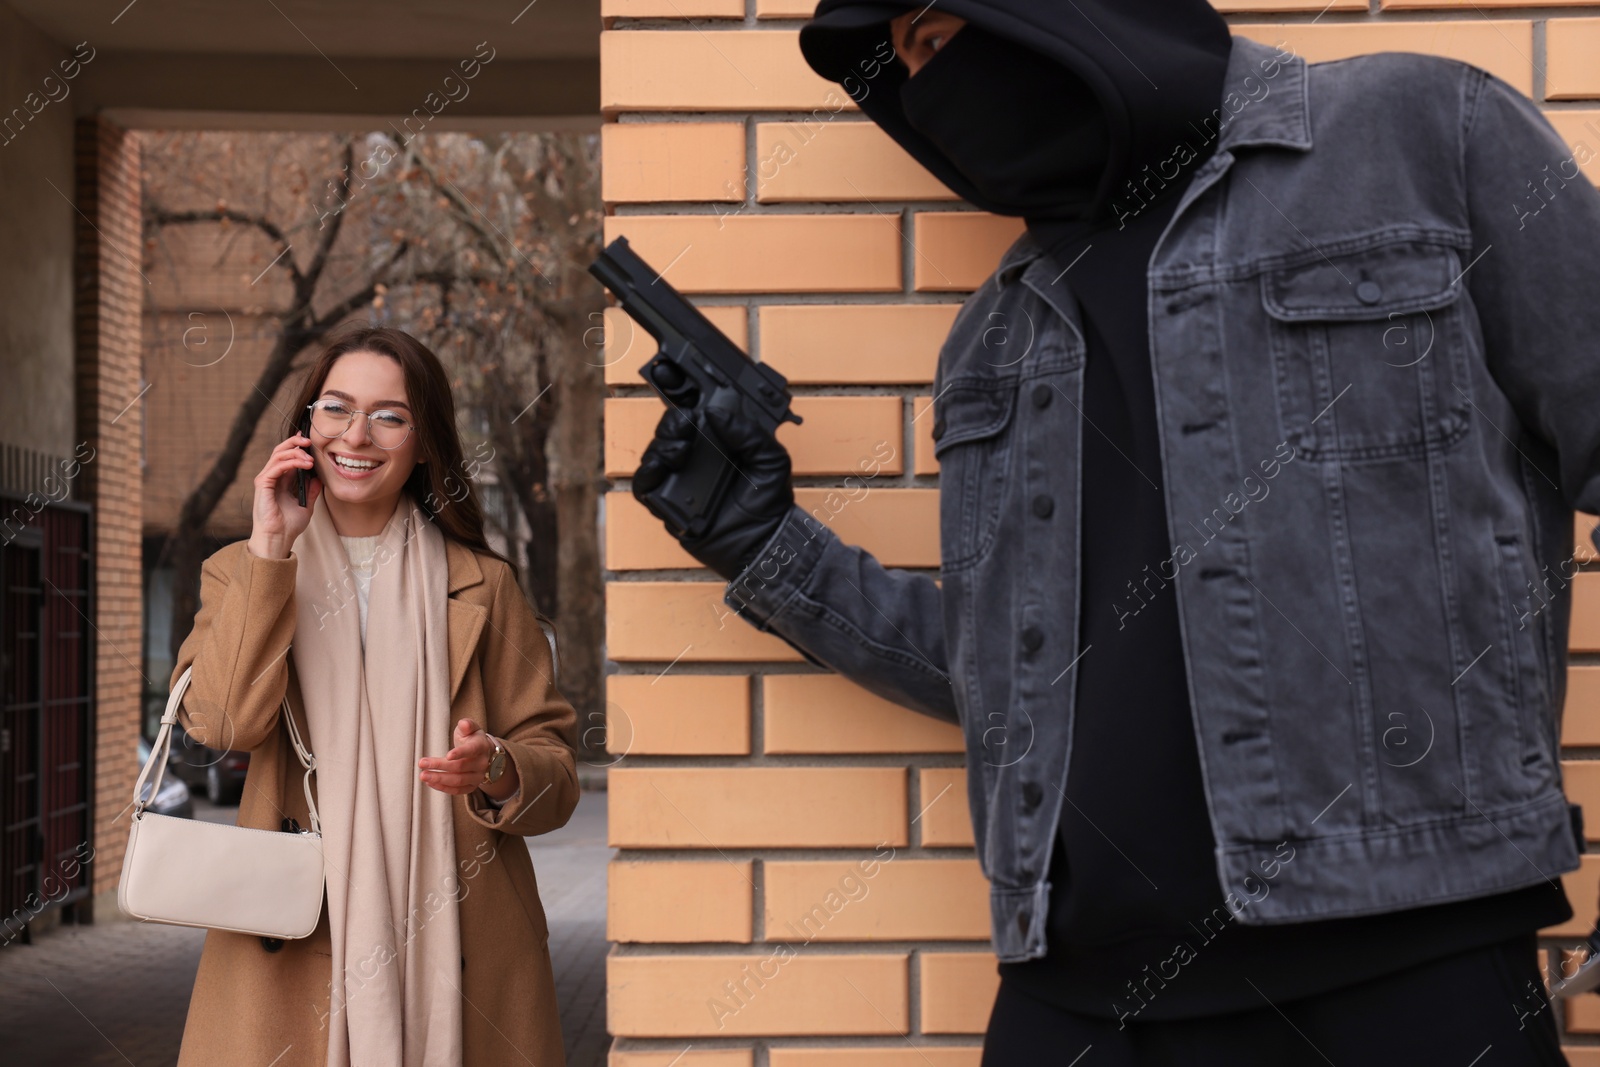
1155	66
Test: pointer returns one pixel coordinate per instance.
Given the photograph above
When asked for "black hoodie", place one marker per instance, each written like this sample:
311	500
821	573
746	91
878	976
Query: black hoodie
1129	118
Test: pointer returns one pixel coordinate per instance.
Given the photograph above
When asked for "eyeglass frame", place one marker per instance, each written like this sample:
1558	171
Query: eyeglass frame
311	408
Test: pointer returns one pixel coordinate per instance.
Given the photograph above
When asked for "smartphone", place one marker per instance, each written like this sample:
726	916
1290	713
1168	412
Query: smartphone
302	476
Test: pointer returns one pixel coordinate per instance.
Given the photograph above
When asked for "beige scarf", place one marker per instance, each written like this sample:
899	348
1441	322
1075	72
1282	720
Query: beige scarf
388	839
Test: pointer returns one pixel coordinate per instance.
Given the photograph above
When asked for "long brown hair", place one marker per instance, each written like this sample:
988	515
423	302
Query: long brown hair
441	486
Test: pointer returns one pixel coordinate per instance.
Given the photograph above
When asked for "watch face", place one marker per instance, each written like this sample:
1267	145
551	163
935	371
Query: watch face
497	765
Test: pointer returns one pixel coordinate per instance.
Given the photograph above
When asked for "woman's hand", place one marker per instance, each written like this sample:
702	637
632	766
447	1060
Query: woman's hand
277	515
461	770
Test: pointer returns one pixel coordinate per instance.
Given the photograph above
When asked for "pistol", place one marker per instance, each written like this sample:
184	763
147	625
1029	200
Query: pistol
695	366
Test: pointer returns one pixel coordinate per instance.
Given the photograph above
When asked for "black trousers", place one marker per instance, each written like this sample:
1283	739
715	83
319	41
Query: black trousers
1482	1008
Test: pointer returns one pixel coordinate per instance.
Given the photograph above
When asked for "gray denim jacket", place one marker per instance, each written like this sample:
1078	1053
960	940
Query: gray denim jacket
1375	337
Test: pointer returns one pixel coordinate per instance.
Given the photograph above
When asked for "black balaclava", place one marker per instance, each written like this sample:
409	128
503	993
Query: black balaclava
1036	161
1068	115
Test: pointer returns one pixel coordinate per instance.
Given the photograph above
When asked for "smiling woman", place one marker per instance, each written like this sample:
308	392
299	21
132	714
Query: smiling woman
435	723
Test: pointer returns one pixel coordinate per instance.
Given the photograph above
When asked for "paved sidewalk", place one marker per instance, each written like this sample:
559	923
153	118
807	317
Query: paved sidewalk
116	993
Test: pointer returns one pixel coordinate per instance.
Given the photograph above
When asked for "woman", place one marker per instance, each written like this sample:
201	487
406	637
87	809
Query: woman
431	948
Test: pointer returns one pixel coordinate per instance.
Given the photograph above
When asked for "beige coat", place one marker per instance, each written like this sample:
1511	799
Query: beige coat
253	1007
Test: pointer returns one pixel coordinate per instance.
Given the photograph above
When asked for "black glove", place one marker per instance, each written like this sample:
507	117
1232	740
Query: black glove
758	497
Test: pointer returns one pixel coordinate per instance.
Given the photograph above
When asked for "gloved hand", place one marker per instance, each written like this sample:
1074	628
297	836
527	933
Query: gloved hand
757	500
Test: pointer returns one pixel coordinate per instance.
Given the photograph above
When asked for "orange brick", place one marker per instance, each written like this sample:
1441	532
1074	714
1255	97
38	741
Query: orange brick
650	161
923	460
679	902
1581	777
1582	887
958	990
1572	59
726	70
628	346
958	250
1580	721
833	159
900	900
678	715
1585	633
1583	1016
636	540
1582	1055
1457	5
672	9
898	526
945	817
803	9
682	621
918	1056
855	343
767	253
840	435
779	993
824	713
757	807
1231	6
1583	525
689	1057
1502	46
785	9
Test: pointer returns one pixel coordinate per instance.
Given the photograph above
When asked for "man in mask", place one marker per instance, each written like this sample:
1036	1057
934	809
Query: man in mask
1256	530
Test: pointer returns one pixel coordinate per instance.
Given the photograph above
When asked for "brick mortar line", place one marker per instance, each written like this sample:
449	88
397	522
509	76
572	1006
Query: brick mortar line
886	208
1312	13
786	761
758	949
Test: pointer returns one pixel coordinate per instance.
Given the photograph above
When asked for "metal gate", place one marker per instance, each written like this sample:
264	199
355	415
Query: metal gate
46	724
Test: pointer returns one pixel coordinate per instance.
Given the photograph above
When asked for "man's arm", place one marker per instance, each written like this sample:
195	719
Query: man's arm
790	575
842	609
1534	274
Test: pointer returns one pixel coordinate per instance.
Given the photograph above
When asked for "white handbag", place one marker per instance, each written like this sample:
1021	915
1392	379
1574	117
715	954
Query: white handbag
186	872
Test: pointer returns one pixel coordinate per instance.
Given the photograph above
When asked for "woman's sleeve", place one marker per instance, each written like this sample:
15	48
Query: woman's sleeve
237	648
527	712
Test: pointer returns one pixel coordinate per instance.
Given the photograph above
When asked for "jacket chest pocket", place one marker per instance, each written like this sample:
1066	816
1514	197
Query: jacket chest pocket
972	441
1368	352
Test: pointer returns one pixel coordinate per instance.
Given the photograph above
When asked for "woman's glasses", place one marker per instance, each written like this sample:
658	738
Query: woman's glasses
331	418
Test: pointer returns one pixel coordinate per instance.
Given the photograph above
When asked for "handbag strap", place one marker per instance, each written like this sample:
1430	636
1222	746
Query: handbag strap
162	747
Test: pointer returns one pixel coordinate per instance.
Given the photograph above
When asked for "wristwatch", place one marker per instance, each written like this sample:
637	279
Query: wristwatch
497	763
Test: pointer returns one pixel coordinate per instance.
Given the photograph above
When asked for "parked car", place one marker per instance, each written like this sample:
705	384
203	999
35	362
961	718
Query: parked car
220	772
174	798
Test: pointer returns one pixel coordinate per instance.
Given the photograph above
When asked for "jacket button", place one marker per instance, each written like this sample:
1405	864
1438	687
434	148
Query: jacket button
938	428
1032	638
1031	794
1043	505
1041	395
1369	292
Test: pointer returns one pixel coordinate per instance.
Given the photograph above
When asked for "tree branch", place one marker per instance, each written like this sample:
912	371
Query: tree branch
158	217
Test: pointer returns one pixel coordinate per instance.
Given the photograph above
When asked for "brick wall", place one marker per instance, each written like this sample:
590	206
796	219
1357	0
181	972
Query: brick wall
795	886
108	291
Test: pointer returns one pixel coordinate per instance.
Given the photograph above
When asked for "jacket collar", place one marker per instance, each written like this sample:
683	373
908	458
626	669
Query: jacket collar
1280	116
463	565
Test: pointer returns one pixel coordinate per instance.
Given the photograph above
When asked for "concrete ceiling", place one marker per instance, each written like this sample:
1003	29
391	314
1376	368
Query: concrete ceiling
327	64
387	29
